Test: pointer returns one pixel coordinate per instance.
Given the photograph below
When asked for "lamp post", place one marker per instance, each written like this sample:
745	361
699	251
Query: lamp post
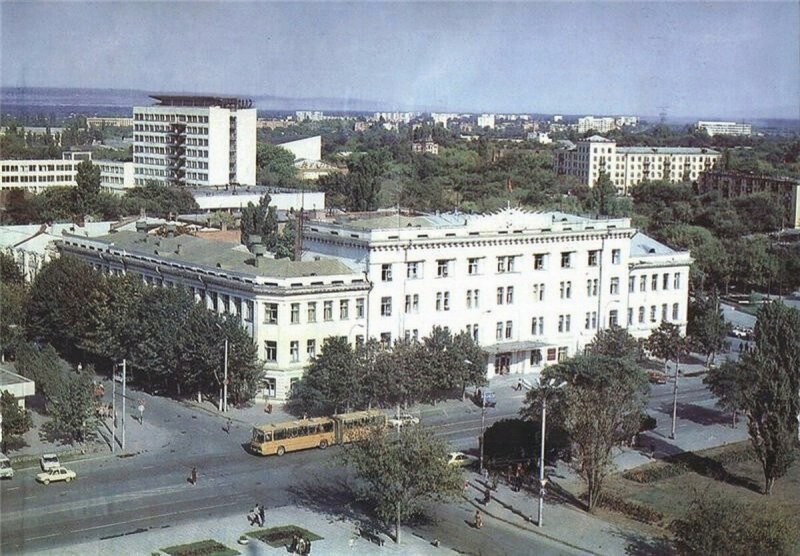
545	391
483	428
224	402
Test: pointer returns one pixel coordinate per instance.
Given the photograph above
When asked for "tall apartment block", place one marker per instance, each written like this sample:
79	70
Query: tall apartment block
195	141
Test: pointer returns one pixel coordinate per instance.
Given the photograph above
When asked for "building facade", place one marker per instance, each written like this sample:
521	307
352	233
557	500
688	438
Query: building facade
425	146
725	128
628	166
108	121
35	176
486	120
195	141
737	184
116	176
600	125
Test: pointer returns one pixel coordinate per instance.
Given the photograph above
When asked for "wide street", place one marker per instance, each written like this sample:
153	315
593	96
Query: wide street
148	490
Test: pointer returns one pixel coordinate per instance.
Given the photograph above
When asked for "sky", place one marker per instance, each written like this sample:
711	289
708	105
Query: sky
709	59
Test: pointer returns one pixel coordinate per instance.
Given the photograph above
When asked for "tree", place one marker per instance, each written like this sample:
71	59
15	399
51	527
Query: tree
71	404
600	407
275	165
667	343
157	199
726	384
16	420
718	525
331	383
399	474
88	181
614	341
42	365
602	196
13	300
769	379
261	220
707	327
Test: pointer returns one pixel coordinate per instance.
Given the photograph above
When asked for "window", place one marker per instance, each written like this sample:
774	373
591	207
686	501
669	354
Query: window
442	301
536	357
386	339
566	259
643	283
360	308
563	353
311	348
616	256
473	267
294	351
312	311
498	333
641	315
551	354
538	261
270	351
630	316
675	311
327	310
248	311
631	284
538	292
613	317
591	288
344	309
676	282
500	295
652	313
654	283
537	326
665	281
505	264
472	330
509	329
295	314
413	270
386	306
664	312
386	272
443	268
509	295
591	320
359	340
271	313
564	323
593	258
614	286
412	303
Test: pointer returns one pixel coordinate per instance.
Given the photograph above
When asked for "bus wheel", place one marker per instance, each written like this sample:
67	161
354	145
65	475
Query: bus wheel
323	444
281	450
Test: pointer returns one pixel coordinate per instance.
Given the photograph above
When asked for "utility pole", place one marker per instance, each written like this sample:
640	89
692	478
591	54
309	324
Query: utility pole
113	411
225	383
541	461
483	428
124	382
675	398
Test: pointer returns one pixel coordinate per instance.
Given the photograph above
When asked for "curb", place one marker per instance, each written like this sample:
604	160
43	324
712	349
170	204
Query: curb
522	527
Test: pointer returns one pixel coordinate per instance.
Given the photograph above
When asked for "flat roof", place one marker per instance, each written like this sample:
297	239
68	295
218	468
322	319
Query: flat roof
8	377
203	101
666	150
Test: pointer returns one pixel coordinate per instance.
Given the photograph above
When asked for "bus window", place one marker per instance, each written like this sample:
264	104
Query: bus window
280	434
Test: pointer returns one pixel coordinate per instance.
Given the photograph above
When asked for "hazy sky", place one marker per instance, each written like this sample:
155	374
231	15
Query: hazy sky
694	59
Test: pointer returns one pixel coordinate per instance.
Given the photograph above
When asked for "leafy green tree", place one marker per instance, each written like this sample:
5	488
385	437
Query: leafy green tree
71	404
725	382
667	343
16	420
275	165
331	383
713	264
756	266
262	220
13	297
602	196
707	327
449	363
398	474
719	525
601	407
614	341
42	365
157	199
88	181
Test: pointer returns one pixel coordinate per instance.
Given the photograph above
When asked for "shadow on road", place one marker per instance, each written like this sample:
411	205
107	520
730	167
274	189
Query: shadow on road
640	544
697	414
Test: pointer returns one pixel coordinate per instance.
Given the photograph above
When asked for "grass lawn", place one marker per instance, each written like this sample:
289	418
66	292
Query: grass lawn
282	536
200	548
742	479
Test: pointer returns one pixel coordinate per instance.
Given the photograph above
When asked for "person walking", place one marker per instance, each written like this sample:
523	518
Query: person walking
262	517
478	520
519	384
193	476
228	426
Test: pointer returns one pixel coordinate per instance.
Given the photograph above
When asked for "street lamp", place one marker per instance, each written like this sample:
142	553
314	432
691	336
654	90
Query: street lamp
545	390
224	403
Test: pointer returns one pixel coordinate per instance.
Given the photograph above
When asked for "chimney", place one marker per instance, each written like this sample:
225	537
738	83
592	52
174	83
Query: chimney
258	250
141	226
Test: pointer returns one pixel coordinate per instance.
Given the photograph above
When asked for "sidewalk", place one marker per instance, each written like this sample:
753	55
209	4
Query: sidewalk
338	537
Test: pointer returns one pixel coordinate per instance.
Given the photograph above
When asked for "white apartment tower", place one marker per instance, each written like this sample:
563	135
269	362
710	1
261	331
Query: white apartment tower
195	141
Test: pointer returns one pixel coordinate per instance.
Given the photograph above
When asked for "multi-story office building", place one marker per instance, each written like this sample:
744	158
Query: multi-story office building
116	176
725	128
108	121
195	141
600	125
35	176
310	115
627	166
737	184
531	288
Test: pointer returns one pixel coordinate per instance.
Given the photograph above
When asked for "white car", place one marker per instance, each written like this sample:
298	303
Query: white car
56	474
405	419
49	461
461	459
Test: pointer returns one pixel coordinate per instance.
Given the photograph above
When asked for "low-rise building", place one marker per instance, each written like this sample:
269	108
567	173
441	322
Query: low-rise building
116	176
108	121
310	115
725	128
236	198
737	184
599	125
16	385
425	146
35	176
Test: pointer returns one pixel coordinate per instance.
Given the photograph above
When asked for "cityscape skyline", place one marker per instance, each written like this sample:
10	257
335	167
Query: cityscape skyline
734	60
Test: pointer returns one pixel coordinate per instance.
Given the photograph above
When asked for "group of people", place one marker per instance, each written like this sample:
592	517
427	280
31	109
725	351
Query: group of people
257	515
300	545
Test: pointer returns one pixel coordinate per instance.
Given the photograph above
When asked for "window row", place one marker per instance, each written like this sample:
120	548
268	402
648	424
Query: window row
311	311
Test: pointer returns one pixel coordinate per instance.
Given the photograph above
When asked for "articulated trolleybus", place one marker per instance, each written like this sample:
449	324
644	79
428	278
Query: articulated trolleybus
318	432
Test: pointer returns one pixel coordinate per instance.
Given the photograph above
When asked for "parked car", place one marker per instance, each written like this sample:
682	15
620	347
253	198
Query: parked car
404	420
460	459
49	461
6	471
657	377
56	474
484	398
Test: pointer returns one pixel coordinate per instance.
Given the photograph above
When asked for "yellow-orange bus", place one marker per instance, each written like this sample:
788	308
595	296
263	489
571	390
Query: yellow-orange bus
318	432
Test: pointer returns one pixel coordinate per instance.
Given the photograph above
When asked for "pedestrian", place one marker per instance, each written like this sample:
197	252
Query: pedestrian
252	517
478	520
228	426
509	473
193	476
741	346
519	385
487	496
262	514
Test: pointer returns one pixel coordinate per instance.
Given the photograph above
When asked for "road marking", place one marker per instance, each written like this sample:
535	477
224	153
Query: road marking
13	488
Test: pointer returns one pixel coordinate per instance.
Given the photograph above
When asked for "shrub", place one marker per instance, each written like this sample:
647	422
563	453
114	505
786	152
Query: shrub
634	510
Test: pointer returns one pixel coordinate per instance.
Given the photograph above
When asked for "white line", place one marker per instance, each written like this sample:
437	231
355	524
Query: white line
13	488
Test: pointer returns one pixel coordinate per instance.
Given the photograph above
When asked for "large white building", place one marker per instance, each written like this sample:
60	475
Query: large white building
531	288
116	176
600	125
628	166
35	176
725	128
486	120
195	141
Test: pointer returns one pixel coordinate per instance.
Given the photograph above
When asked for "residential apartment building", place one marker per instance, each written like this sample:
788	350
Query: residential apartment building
628	166
425	146
310	115
600	125
736	184
195	141
486	120
725	128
